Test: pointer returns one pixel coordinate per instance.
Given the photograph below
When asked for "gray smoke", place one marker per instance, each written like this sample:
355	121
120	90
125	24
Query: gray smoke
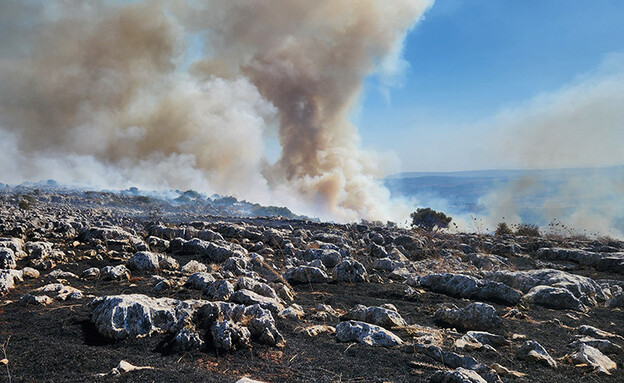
184	94
578	126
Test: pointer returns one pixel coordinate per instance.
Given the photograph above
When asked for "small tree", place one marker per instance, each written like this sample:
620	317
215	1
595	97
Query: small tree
528	230
23	204
430	220
503	229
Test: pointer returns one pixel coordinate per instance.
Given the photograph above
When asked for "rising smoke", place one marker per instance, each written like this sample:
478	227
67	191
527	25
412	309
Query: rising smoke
577	126
183	94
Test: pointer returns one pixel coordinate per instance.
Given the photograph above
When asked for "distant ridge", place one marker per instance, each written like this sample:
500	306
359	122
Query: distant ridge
513	173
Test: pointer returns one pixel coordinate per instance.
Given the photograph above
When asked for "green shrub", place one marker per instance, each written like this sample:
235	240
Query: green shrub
191	194
142	199
429	220
528	230
271	211
23	204
29	198
503	229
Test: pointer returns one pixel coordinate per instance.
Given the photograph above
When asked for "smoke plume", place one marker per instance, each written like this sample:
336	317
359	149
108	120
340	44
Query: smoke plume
183	94
577	126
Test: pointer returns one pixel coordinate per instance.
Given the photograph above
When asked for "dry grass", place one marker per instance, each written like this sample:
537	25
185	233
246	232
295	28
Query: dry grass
5	361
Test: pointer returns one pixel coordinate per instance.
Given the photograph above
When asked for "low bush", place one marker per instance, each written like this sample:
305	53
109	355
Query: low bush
528	230
503	229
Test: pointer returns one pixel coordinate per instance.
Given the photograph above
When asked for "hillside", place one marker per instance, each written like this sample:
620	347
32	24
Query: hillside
191	296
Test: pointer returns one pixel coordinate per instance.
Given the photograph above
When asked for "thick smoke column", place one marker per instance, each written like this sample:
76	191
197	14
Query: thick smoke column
120	94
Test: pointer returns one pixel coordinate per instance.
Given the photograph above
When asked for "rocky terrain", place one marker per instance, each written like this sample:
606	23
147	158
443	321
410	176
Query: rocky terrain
117	287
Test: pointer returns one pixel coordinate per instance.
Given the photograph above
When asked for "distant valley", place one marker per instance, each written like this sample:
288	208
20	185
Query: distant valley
535	196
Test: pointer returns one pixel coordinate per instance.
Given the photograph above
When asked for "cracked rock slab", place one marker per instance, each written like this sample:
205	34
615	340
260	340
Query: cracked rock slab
581	287
594	358
554	298
466	286
604	345
350	270
459	375
353	331
475	316
306	274
535	352
136	315
379	316
8	279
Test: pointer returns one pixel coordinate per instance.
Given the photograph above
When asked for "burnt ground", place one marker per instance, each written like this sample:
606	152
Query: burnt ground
58	343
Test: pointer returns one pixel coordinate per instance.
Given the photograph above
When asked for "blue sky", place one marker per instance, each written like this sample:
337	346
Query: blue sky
474	63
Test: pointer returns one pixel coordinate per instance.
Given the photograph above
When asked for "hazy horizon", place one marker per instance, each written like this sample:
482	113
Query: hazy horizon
309	105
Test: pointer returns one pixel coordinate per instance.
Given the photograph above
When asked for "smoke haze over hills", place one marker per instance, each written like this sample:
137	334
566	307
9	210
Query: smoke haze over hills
110	94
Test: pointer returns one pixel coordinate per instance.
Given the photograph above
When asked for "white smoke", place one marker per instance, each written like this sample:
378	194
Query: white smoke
578	126
118	94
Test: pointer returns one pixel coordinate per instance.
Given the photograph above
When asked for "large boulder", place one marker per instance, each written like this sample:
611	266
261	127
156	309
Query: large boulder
459	375
579	256
229	325
187	340
134	315
115	273
475	316
245	283
8	279
594	358
220	290
38	249
239	265
157	244
487	262
350	270
585	289
597	333
387	264
90	273
604	345
217	251
329	257
262	326
554	298
448	358
535	352
374	250
15	244
59	291
488	338
228	335
466	286
200	281
248	297
353	331
379	316
336	239
105	232
476	340
143	261
305	274
612	263
168	233
7	258
147	261
36	300
193	267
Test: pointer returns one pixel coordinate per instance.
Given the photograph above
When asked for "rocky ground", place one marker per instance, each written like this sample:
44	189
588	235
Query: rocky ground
103	287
